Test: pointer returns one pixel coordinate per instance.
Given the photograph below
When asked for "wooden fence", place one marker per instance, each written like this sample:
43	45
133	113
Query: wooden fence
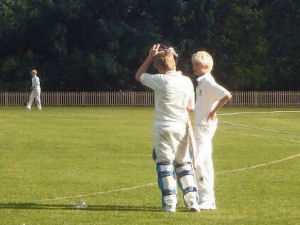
240	98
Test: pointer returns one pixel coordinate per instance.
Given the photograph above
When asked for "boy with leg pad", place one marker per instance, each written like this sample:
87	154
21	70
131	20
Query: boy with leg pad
174	99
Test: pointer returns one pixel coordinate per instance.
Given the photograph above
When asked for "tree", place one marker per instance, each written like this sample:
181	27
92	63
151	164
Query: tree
91	45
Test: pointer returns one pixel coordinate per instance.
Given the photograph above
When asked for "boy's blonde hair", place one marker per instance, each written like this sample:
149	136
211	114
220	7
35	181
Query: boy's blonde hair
165	61
203	58
33	72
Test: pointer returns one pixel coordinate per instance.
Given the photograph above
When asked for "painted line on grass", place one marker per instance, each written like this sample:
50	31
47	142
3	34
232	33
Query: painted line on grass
260	165
257	136
152	184
291	140
259	128
98	193
239	113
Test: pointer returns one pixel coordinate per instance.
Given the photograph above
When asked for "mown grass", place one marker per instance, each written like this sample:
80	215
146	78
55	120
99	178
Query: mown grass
66	152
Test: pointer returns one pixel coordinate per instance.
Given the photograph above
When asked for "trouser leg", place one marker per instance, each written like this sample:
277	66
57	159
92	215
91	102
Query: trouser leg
38	100
206	174
208	164
167	183
186	181
205	170
31	98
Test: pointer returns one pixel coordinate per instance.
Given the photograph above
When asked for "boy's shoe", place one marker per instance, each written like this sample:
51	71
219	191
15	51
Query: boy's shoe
207	205
170	208
193	207
27	108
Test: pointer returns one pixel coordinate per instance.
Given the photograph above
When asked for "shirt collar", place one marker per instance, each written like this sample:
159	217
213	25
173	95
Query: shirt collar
173	72
206	75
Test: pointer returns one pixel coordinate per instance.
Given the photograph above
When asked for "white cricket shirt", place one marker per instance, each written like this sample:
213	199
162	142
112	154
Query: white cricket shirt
173	94
35	82
208	94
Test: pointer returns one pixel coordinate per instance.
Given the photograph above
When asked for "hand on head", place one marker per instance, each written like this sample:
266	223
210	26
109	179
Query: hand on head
154	50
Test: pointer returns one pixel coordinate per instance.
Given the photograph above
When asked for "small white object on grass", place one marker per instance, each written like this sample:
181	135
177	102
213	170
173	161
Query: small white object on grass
81	205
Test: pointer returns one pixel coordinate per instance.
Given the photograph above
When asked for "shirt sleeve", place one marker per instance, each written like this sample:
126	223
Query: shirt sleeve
217	92
153	81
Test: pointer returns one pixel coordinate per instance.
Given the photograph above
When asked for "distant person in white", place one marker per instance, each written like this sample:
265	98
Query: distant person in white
174	99
35	91
210	97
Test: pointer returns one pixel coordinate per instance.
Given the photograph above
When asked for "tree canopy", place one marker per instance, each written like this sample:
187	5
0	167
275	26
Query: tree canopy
92	45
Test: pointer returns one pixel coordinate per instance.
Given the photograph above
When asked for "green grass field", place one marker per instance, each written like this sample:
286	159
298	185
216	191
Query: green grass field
52	159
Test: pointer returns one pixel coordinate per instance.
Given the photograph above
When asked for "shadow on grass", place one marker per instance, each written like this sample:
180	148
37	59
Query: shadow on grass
73	207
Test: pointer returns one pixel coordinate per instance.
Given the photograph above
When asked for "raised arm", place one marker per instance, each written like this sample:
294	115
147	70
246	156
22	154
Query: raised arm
146	64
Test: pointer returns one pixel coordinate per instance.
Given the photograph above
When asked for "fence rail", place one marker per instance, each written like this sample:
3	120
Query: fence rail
240	98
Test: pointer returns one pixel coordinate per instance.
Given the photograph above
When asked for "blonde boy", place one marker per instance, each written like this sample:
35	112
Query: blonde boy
35	91
210	97
174	98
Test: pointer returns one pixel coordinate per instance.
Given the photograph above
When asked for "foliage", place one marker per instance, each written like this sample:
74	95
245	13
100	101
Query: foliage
89	45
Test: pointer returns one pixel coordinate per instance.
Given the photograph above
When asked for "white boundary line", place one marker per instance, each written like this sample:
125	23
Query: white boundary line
257	136
98	193
260	165
291	140
152	184
238	113
259	128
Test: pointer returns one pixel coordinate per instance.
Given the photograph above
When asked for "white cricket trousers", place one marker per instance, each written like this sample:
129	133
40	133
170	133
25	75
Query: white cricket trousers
35	94
171	142
205	169
171	155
